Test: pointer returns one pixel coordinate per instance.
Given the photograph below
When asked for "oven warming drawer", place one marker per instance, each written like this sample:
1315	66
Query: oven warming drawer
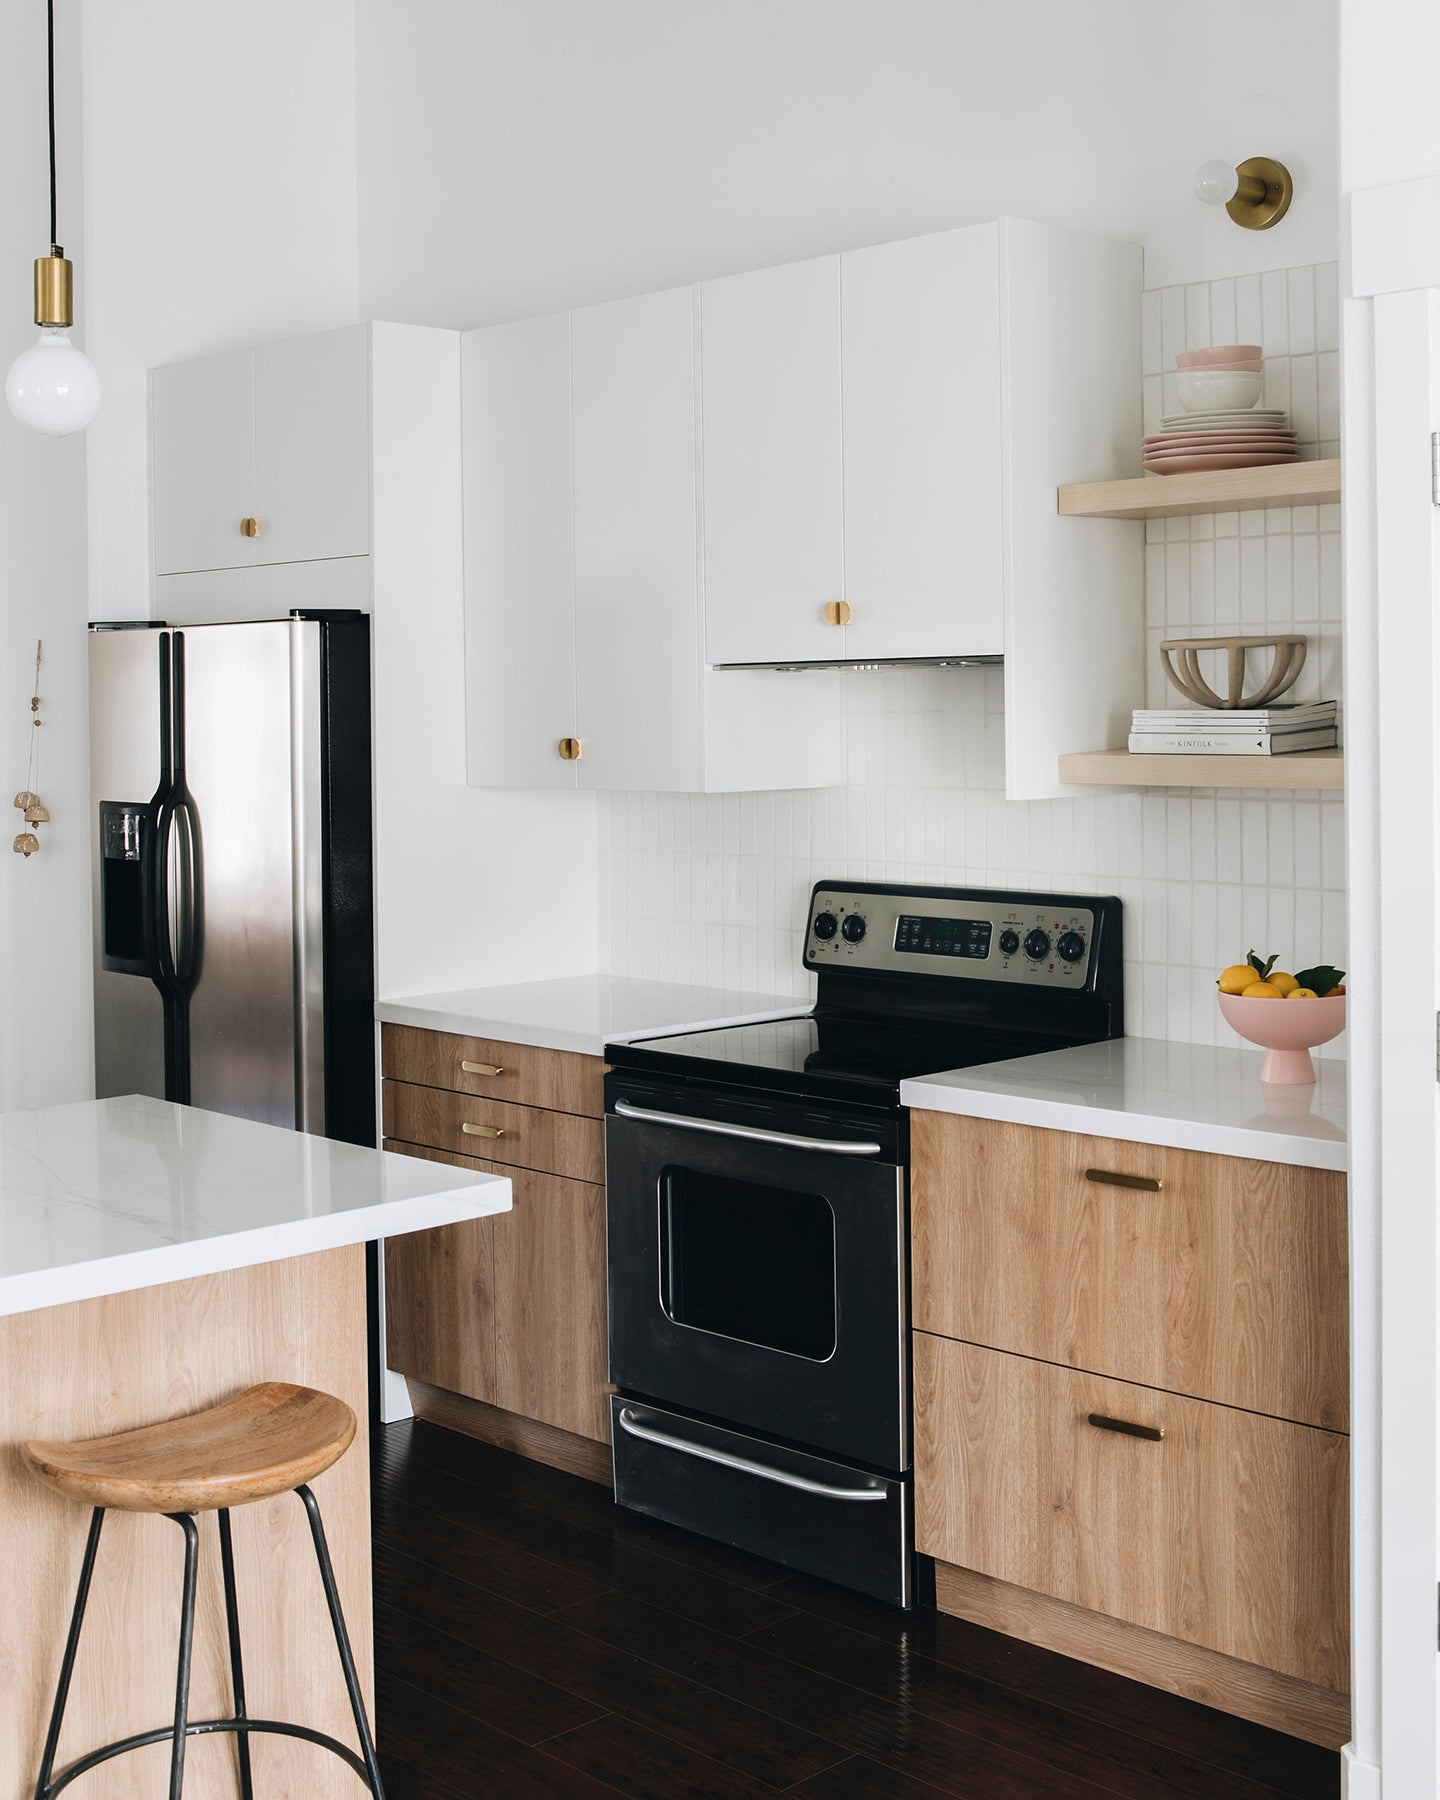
828	1519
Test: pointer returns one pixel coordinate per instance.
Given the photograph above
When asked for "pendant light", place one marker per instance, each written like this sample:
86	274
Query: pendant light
52	387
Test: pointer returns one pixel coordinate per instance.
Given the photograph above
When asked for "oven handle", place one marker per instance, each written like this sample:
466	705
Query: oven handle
631	1424
752	1133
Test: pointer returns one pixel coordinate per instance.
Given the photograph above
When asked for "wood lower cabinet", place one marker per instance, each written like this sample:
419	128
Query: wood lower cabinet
1221	1527
508	1311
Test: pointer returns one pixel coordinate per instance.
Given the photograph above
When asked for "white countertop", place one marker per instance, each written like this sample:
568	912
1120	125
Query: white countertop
1152	1091
105	1196
585	1012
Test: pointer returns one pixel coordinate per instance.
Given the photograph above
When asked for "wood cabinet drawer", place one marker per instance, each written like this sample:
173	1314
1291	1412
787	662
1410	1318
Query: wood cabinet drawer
1230	1531
556	1143
510	1309
1218	1277
557	1079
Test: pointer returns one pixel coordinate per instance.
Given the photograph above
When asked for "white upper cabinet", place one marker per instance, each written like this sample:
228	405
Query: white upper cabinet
519	554
774	540
920	386
637	614
279	435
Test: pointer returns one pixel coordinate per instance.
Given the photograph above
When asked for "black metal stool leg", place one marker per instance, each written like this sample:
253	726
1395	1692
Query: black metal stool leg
186	1522
237	1672
342	1642
67	1664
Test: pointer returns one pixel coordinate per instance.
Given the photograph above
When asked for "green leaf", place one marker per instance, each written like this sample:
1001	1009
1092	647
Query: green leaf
1262	969
1322	978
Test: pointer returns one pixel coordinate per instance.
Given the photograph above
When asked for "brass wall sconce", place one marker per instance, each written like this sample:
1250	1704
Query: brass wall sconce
1256	194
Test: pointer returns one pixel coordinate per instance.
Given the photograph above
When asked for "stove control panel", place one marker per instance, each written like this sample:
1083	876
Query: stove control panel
1045	942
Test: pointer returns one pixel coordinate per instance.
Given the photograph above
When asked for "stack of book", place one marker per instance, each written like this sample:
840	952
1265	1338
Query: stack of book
1247	731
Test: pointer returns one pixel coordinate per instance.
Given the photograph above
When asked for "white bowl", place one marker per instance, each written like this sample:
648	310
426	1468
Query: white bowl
1218	390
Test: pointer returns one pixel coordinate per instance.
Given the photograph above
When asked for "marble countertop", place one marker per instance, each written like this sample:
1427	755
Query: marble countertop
105	1196
1152	1091
585	1012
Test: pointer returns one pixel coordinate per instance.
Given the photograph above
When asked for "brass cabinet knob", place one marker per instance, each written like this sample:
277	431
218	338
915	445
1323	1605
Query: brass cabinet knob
837	612
570	749
250	528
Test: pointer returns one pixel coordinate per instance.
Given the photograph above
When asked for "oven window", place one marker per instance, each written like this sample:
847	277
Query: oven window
749	1262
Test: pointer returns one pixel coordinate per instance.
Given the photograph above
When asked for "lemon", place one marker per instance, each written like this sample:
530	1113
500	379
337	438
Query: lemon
1236	978
1287	984
1261	990
1299	993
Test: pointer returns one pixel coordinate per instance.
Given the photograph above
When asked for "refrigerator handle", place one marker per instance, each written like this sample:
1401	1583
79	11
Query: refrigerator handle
181	885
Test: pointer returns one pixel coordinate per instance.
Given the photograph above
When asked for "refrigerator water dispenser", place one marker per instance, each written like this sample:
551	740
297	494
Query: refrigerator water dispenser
124	835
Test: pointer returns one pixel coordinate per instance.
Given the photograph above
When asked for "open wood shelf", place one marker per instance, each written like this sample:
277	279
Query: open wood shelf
1119	768
1215	490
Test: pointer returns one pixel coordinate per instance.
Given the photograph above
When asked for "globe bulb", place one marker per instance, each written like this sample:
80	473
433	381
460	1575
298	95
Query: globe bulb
53	387
1216	182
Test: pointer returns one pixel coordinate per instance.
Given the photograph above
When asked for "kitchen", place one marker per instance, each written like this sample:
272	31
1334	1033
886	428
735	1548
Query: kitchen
483	887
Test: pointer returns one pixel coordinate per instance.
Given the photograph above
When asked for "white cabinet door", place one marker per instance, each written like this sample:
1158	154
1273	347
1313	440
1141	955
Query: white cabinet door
770	361
312	447
924	571
519	568
637	616
202	462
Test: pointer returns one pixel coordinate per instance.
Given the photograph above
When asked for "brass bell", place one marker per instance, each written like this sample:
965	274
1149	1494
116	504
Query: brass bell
26	844
26	798
36	814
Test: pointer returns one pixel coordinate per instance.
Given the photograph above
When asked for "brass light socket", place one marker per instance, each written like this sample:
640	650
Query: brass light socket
1264	194
54	288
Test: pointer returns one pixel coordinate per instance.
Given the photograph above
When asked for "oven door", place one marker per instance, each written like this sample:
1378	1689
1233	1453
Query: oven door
757	1268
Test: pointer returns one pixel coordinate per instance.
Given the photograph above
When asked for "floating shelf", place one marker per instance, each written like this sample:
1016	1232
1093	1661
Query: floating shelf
1119	768
1215	490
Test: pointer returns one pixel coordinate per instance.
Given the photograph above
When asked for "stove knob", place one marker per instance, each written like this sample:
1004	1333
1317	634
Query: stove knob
1071	947
826	925
1037	945
853	929
1009	942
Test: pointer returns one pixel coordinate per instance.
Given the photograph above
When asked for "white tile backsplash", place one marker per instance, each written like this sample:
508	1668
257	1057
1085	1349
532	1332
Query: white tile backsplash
713	888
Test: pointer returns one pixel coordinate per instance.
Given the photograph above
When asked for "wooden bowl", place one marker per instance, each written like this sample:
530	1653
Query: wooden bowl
1287	1030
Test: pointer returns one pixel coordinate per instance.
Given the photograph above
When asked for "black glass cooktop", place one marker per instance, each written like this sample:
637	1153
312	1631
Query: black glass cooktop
837	1057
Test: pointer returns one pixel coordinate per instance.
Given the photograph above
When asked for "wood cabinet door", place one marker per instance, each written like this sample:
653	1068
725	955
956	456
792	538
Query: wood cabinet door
202	463
519	559
1222	1278
920	355
562	1080
312	446
770	392
1229	1530
556	1143
637	605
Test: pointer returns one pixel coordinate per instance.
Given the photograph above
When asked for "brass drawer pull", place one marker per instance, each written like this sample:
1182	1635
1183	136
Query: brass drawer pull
1126	1427
1149	1184
837	612
571	749
490	1131
470	1068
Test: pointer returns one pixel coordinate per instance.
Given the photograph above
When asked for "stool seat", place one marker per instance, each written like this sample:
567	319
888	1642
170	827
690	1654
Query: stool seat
269	1440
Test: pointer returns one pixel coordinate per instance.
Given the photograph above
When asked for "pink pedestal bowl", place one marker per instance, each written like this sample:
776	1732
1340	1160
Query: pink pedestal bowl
1287	1030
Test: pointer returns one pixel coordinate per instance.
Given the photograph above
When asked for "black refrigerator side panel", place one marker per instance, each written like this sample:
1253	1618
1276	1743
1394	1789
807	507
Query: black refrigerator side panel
347	859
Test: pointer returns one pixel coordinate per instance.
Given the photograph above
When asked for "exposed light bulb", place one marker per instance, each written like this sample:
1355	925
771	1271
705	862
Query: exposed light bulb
1216	182
53	387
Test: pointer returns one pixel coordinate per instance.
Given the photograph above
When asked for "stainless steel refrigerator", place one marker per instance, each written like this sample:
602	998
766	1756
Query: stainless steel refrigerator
234	940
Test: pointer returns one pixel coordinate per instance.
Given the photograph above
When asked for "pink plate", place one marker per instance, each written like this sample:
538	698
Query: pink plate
1213	459
1288	1029
1241	448
1219	440
1221	353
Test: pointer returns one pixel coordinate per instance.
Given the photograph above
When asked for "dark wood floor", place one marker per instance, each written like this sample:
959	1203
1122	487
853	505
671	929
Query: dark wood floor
532	1639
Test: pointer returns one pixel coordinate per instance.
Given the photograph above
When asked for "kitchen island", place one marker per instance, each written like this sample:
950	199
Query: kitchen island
155	1259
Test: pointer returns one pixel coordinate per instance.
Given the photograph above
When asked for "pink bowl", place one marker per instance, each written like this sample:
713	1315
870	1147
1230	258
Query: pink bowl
1286	1029
1218	353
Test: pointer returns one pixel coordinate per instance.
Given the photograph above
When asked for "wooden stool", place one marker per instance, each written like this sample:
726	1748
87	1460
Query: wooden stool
272	1440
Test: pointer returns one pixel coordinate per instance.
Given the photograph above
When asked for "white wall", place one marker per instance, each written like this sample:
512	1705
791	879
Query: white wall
220	157
45	1032
518	159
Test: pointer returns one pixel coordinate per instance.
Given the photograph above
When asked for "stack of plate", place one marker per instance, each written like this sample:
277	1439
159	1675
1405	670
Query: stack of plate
1221	440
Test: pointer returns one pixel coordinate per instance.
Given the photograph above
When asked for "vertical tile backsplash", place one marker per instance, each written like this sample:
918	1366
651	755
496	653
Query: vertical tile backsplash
713	888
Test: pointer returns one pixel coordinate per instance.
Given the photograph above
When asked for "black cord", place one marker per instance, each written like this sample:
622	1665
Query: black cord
50	37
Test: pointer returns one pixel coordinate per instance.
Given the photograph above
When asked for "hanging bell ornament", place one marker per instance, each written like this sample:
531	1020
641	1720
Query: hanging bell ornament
25	798
36	814
26	844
